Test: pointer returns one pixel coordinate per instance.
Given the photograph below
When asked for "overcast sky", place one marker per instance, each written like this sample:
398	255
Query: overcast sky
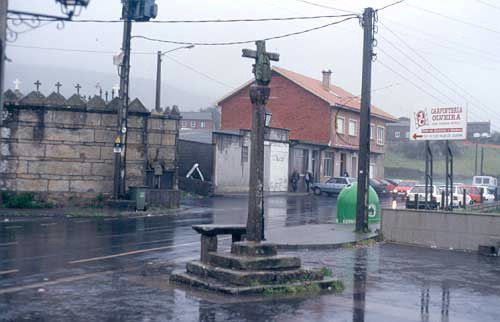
460	50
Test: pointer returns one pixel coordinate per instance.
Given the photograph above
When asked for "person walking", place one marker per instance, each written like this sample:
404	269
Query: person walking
295	180
308	177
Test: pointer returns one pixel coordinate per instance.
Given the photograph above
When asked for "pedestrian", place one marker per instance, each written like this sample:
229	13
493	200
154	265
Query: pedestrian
346	174
295	180
308	178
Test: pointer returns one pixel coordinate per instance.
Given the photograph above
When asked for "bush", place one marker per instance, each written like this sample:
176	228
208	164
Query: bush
22	200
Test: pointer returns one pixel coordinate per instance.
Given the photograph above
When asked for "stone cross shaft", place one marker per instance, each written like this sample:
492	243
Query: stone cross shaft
262	67
259	94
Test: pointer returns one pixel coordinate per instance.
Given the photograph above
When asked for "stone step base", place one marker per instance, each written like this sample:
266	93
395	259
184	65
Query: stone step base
327	284
251	263
251	278
247	248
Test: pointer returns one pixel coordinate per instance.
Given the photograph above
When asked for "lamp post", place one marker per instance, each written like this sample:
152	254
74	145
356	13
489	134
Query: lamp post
158	73
478	138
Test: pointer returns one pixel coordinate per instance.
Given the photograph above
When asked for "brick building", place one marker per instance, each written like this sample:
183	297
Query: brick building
197	120
62	149
323	120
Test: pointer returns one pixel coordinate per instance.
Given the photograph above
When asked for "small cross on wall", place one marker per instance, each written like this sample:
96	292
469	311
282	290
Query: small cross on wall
78	86
37	84
58	86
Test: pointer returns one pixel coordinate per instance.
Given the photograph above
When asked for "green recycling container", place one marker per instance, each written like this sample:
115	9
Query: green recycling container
138	193
346	205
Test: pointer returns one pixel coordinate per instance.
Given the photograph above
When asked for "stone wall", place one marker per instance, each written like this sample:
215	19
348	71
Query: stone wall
64	151
440	229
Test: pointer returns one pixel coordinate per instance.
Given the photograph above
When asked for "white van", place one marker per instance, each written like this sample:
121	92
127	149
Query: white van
484	181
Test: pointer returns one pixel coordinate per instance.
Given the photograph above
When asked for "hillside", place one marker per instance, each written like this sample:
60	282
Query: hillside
397	165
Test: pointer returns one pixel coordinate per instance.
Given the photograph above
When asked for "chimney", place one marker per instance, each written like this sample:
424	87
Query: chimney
326	79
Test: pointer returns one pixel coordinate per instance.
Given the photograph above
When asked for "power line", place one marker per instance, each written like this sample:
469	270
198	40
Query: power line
351	14
482	106
390	5
324	6
455	19
243	41
488	4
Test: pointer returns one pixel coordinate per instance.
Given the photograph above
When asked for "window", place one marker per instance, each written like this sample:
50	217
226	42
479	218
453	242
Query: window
193	124
340	125
396	134
352	127
202	124
244	154
184	124
372	127
328	164
407	135
380	135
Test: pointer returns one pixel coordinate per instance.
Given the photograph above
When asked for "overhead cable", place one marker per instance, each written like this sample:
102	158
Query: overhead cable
242	41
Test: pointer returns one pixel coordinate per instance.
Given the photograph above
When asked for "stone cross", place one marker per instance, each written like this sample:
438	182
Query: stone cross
259	94
106	94
16	82
78	86
112	93
100	92
58	85
262	66
37	84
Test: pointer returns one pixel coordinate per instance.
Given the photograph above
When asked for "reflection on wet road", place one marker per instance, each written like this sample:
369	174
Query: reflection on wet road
107	270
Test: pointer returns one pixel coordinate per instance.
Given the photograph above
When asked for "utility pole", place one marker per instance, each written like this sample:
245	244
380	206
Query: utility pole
4	4
158	81
482	160
364	135
119	182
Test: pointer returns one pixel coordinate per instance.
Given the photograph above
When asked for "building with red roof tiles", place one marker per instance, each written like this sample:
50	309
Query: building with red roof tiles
323	120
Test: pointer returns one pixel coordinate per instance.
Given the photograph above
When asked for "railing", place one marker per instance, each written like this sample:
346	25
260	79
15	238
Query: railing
484	207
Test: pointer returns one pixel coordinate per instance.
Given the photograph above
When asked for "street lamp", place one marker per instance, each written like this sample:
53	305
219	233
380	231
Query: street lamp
158	73
477	137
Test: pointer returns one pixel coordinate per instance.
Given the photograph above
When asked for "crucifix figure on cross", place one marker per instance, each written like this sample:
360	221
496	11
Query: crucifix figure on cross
37	84
262	66
58	86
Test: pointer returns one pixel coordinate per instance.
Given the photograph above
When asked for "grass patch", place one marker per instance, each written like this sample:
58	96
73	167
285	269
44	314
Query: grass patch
22	200
98	202
293	289
327	272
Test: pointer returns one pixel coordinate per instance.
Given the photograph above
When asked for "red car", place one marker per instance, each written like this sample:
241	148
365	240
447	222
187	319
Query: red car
403	187
474	192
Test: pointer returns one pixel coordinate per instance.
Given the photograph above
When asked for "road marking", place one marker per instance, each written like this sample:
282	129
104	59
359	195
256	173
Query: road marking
49	224
61	280
13	227
9	272
8	244
129	253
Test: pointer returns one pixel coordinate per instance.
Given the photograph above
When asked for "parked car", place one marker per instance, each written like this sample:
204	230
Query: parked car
392	184
414	202
474	193
332	186
403	187
380	186
458	196
484	181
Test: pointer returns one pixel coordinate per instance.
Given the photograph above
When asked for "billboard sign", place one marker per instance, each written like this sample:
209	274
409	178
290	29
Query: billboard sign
439	123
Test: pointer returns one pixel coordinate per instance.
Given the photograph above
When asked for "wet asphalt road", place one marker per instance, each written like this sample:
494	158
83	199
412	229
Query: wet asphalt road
117	270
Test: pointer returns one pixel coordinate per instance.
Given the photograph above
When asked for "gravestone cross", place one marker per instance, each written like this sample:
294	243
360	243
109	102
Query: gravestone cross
106	94
58	86
259	94
37	84
16	82
262	67
78	86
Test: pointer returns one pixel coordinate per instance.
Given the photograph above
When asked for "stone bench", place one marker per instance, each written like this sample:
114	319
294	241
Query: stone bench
209	235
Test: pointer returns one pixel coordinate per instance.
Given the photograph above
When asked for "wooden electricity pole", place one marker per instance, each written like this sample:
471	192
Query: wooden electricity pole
3	38
364	135
119	182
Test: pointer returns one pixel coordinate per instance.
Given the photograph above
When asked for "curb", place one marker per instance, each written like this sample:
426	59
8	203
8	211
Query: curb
296	247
